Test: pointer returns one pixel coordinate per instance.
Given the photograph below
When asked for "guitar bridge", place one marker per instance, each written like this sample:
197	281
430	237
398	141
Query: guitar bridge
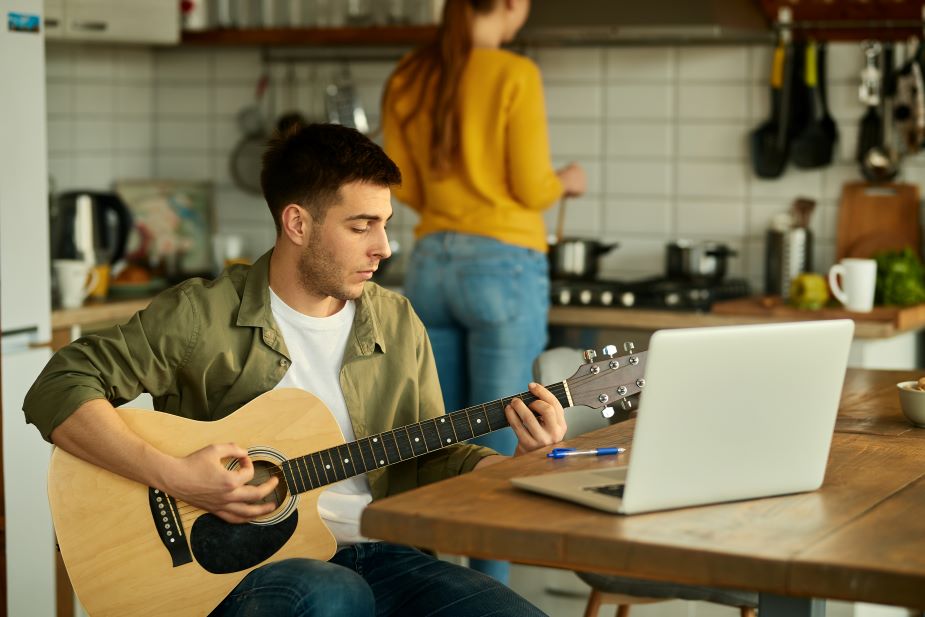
169	527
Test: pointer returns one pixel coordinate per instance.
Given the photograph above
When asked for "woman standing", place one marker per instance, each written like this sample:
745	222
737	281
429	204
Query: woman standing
466	123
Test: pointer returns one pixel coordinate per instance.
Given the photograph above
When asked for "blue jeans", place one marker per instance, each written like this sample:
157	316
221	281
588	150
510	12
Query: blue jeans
485	306
371	579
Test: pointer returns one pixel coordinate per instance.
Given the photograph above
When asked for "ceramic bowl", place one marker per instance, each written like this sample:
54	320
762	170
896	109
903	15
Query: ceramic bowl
912	401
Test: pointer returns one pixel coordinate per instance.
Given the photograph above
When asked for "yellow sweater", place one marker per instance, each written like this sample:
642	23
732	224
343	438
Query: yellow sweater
505	180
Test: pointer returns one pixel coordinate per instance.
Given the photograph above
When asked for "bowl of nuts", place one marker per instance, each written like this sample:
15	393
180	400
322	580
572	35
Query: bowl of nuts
912	400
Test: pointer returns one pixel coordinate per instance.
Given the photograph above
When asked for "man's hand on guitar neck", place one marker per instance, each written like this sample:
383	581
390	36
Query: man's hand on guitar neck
538	425
201	479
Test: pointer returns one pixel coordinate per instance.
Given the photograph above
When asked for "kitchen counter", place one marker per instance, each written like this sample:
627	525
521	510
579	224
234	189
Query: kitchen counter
867	326
115	311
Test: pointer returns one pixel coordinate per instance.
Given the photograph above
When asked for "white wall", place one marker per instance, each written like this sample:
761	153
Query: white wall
663	132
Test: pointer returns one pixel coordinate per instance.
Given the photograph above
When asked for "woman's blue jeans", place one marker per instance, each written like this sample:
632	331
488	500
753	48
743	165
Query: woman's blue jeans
485	305
371	579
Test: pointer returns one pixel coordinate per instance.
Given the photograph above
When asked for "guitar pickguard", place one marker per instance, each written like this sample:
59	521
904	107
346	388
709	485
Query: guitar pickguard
221	547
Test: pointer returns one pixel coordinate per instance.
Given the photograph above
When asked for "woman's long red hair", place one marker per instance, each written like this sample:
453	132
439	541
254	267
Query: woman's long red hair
444	60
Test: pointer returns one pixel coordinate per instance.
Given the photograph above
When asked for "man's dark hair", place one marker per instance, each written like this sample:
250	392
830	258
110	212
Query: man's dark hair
308	164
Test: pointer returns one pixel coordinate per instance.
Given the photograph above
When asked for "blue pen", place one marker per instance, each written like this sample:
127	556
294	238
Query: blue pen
563	452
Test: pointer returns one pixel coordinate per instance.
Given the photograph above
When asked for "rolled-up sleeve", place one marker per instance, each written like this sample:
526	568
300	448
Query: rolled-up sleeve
118	363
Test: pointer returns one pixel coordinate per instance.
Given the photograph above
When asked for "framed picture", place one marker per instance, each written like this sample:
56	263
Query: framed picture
173	225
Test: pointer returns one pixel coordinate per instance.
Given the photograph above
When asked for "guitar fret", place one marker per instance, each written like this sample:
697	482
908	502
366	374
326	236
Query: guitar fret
300	479
431	434
462	427
416	439
403	454
290	478
330	465
310	471
369	457
495	414
356	455
346	461
381	455
318	464
479	421
445	431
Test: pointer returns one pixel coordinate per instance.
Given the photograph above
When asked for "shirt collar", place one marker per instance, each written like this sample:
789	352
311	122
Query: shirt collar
255	311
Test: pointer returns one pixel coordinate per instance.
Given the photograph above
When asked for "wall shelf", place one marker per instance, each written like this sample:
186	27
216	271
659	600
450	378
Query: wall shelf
850	20
374	36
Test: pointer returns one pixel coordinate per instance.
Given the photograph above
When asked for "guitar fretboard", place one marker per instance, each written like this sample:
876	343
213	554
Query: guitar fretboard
325	467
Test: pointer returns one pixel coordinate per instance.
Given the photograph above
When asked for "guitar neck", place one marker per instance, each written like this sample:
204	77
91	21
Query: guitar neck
325	467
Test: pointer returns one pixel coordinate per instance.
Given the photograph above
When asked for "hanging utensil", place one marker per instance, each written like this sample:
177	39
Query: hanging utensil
342	103
770	141
292	116
881	163
245	161
870	132
815	145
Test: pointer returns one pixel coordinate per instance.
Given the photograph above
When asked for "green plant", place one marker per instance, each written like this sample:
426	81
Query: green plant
899	278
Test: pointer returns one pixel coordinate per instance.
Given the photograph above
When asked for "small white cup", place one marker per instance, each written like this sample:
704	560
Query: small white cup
859	279
76	279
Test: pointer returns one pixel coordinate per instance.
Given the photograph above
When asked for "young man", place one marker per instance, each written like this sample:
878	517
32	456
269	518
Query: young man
304	315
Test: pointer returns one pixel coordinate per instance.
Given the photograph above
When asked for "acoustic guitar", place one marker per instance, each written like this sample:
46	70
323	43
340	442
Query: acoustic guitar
131	550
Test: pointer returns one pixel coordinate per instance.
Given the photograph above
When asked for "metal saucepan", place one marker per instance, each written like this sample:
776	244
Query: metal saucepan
576	258
688	260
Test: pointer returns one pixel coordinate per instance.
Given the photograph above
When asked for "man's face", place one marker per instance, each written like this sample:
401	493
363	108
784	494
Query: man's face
345	249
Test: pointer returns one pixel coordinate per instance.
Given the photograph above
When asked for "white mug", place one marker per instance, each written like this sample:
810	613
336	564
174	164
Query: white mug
76	279
859	279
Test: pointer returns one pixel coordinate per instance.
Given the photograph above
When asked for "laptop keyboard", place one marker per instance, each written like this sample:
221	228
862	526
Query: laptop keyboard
612	490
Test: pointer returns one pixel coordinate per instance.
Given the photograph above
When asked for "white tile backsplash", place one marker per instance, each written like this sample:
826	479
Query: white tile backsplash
662	132
641	101
713	64
643	139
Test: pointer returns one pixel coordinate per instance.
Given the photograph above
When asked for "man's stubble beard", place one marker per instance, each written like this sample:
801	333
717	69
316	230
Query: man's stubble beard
320	275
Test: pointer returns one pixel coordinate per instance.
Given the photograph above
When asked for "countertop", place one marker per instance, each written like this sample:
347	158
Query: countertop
866	327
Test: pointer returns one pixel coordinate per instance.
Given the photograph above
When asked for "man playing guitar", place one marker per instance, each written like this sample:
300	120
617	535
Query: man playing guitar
304	315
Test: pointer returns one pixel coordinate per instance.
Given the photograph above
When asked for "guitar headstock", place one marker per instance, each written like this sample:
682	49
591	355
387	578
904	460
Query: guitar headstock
602	383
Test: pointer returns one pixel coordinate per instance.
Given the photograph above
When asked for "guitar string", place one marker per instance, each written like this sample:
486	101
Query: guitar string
558	389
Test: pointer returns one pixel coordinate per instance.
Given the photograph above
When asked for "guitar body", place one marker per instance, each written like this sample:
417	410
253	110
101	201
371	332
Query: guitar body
115	544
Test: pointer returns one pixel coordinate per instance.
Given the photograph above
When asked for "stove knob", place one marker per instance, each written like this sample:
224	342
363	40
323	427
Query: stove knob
585	296
672	299
627	298
607	297
565	296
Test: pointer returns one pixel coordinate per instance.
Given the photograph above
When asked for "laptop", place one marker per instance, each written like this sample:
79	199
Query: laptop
727	413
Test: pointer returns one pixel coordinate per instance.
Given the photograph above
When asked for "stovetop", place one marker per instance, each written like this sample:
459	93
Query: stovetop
650	293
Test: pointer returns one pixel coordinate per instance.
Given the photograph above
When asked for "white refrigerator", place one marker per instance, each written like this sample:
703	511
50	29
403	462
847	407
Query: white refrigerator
25	306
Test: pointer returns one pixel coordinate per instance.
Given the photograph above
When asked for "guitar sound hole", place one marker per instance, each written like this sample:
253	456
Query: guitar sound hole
263	471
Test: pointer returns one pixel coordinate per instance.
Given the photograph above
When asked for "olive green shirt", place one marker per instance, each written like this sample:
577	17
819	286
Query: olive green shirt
203	349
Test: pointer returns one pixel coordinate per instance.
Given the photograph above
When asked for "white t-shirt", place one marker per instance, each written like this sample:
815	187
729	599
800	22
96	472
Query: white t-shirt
316	348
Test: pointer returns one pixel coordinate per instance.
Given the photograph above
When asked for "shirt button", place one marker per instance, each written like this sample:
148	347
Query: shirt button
284	362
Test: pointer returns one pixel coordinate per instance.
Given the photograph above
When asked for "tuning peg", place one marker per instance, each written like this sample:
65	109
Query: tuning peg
610	351
629	346
607	412
589	355
626	404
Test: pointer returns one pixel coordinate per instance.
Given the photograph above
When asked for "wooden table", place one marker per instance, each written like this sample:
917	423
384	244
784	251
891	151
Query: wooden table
861	537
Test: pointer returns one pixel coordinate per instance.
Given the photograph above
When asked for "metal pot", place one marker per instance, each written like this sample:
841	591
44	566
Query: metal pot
688	260
576	258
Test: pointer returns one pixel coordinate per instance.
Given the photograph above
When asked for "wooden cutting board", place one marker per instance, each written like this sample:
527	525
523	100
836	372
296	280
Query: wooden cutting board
877	217
900	317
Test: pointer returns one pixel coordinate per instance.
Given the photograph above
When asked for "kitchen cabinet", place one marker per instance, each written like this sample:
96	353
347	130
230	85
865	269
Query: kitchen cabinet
113	21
